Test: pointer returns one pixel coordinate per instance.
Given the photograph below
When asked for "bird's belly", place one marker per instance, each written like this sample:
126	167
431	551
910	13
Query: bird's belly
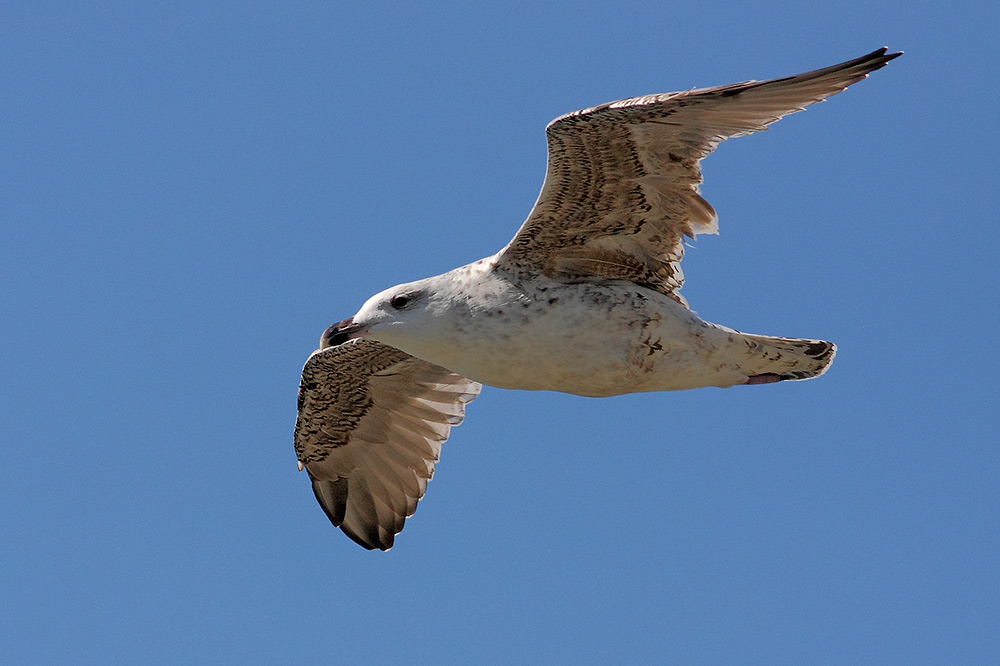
640	346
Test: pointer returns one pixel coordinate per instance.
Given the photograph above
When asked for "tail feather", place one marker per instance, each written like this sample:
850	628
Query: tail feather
777	359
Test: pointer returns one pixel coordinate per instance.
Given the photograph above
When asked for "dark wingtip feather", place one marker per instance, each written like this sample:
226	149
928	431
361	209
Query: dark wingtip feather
881	53
332	496
877	59
363	541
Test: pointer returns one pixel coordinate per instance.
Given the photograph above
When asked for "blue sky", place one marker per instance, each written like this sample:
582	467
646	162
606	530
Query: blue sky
190	194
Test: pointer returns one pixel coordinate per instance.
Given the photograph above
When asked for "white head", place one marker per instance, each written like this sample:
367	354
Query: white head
417	317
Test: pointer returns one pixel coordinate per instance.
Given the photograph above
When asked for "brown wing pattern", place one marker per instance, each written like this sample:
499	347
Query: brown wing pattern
621	185
371	421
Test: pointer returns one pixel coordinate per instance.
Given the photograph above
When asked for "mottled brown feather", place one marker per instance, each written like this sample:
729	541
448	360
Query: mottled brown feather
621	185
370	427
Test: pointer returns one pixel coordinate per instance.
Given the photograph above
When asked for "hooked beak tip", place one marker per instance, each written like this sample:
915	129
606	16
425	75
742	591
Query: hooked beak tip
339	333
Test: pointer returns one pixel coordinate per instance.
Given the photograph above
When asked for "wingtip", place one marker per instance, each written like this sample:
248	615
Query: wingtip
888	56
881	56
366	543
332	497
868	63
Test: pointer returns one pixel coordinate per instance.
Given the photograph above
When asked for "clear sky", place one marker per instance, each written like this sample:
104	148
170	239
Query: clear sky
191	192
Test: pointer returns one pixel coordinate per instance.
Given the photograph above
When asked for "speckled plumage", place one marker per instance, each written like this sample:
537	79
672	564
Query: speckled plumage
584	299
371	423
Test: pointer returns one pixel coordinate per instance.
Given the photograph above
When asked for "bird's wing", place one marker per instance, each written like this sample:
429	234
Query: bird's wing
621	185
371	421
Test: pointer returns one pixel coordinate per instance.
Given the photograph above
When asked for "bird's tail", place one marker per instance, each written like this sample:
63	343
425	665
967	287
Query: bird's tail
777	359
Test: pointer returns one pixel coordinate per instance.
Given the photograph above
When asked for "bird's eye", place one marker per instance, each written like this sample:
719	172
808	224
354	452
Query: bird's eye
399	301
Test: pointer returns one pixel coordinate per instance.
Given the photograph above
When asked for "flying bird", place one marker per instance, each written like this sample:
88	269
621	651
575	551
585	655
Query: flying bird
584	299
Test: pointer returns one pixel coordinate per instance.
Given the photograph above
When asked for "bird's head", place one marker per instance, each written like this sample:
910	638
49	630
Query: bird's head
407	316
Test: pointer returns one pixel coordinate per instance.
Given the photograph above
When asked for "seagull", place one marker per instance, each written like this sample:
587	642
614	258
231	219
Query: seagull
585	299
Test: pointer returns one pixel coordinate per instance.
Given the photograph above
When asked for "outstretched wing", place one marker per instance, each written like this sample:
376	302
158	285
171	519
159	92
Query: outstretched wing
370	427
621	186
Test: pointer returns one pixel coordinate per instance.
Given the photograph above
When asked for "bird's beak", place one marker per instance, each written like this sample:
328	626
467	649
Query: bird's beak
340	333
